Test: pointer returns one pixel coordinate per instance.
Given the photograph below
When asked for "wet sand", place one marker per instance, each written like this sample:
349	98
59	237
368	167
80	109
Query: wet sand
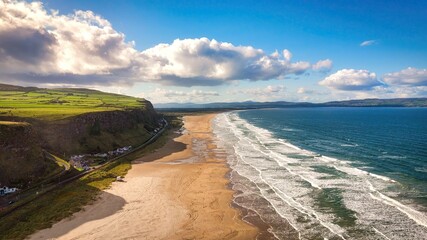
177	192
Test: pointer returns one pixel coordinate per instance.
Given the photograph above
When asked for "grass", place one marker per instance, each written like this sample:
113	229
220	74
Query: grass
12	124
62	203
61	162
55	104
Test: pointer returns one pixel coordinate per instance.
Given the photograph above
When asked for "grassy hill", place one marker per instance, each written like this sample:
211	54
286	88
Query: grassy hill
54	104
65	122
41	128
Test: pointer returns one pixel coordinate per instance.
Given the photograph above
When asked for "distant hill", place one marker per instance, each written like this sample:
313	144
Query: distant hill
395	102
6	87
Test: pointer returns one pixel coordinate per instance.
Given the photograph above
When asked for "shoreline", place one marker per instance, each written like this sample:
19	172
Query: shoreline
179	191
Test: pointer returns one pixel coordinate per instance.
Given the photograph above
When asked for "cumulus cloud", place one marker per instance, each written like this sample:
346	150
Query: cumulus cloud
383	92
406	91
368	43
359	84
287	54
41	46
322	65
209	62
409	77
351	80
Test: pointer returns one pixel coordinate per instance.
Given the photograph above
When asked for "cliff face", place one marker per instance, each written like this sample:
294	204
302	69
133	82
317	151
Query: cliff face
21	156
114	121
100	131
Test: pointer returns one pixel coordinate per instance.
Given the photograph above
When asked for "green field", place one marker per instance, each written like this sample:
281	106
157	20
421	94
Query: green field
54	104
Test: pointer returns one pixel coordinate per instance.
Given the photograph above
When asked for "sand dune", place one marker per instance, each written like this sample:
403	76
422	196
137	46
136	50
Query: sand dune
178	192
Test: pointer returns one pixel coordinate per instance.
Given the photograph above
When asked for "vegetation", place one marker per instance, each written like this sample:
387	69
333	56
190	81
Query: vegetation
63	202
9	123
22	162
191	107
54	104
38	123
64	122
61	162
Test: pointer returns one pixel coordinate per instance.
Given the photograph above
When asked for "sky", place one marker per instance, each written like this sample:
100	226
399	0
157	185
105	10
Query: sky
218	51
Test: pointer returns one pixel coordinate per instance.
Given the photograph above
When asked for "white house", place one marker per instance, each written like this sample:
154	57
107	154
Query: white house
6	190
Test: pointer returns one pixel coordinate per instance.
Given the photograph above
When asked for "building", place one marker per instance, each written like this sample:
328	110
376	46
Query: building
6	190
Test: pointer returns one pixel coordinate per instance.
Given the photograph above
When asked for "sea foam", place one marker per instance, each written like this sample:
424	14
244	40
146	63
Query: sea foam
291	181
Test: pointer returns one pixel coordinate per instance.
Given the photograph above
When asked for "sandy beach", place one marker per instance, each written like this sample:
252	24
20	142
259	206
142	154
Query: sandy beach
178	192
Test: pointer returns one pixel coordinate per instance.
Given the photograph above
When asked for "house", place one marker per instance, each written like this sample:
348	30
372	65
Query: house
6	190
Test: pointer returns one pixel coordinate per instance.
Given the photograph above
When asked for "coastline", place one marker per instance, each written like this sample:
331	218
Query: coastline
179	191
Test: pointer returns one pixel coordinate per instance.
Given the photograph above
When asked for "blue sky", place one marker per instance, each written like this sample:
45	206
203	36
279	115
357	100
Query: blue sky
391	63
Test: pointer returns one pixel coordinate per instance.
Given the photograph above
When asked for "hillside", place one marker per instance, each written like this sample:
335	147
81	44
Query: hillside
396	102
54	104
21	159
65	122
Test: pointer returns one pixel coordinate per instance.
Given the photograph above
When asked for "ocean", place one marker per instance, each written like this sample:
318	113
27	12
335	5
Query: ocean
329	173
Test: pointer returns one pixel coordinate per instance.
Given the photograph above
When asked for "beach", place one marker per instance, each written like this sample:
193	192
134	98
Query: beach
178	192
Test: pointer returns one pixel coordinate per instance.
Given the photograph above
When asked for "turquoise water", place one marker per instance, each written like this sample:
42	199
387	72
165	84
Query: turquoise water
336	173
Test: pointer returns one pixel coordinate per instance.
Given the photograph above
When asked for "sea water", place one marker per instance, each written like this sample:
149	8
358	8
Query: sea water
329	173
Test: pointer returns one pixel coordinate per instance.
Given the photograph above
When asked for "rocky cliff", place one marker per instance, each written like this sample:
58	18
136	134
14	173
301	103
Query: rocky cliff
99	131
21	156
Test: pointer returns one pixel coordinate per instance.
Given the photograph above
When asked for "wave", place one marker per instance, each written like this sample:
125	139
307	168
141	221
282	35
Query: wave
418	217
297	184
392	157
349	145
291	130
421	169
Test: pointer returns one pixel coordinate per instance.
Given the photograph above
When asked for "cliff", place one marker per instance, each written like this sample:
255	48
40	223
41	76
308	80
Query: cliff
21	157
65	122
99	131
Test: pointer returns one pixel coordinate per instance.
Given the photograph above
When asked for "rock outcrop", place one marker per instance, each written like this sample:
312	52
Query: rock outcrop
21	155
99	131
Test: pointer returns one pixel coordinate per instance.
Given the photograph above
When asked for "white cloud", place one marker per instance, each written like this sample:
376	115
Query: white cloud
409	77
383	92
287	55
268	93
351	80
313	94
202	61
368	43
407	92
303	90
160	95
322	65
40	46
359	84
